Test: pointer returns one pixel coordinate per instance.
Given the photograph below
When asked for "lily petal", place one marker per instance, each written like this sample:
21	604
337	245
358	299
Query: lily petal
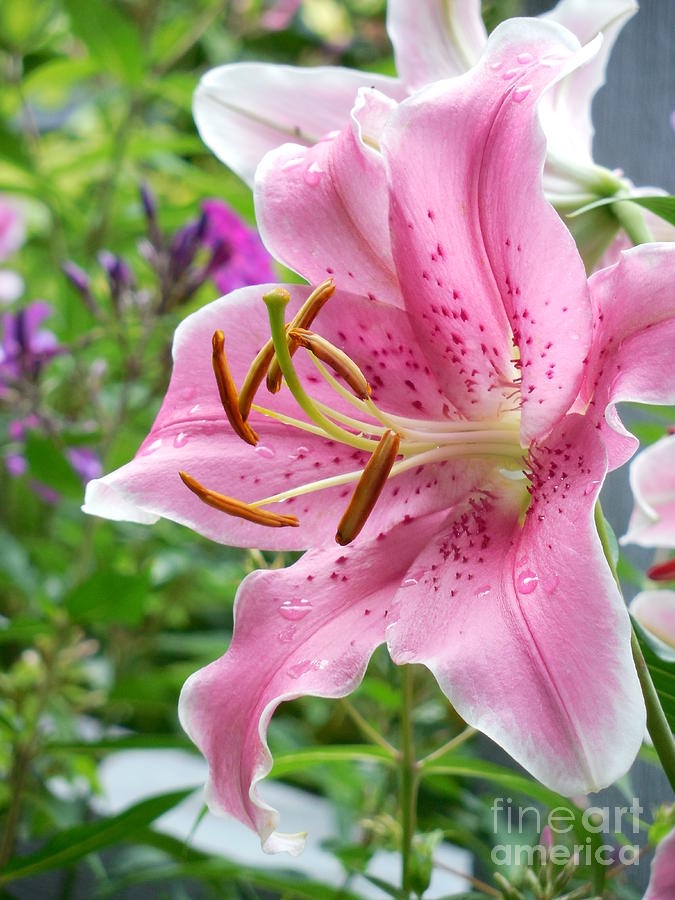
191	432
243	110
435	39
505	624
655	611
566	111
309	629
662	878
652	479
485	256
324	210
633	339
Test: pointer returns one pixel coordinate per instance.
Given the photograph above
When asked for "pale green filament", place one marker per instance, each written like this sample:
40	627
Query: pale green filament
276	302
422	441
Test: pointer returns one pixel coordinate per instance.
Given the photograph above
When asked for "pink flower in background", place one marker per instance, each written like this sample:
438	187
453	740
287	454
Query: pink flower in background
280	14
243	260
662	879
655	611
12	236
652	524
652	479
493	366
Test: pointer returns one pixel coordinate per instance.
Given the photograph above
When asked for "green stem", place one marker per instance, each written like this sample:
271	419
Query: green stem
632	221
657	724
408	777
449	746
366	728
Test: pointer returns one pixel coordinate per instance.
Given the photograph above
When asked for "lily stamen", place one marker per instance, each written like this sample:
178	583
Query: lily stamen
369	488
304	317
337	359
237	508
228	391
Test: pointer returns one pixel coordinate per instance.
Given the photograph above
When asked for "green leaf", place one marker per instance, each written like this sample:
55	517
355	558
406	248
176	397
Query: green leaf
661	205
15	564
512	781
285	884
109	597
111	37
74	843
286	763
660	659
22	631
125	742
48	464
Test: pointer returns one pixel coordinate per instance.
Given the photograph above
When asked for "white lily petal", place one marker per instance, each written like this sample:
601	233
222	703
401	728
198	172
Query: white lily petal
435	39
244	110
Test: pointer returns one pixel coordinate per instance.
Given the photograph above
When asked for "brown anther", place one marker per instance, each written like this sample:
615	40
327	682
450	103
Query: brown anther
237	507
369	488
304	317
664	571
228	391
254	377
337	359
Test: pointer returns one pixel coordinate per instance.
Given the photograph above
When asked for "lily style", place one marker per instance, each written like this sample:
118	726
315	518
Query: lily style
432	423
243	110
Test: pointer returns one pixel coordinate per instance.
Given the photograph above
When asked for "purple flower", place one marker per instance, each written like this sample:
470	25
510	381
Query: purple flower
24	346
85	462
239	257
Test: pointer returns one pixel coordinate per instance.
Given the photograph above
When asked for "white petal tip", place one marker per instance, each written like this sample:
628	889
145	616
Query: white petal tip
293	844
103	499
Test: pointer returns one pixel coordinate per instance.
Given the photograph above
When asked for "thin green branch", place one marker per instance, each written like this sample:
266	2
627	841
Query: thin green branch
657	724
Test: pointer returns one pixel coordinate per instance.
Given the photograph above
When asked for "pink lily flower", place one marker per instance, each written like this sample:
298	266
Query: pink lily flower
12	236
662	879
243	110
655	611
487	424
652	479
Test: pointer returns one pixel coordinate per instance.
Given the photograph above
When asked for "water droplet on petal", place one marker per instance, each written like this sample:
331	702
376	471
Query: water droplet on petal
520	93
590	489
287	634
151	448
193	409
313	174
510	73
527	581
294	610
293	163
300	668
496	65
483	591
574	336
266	452
524	58
181	439
409	582
188	393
